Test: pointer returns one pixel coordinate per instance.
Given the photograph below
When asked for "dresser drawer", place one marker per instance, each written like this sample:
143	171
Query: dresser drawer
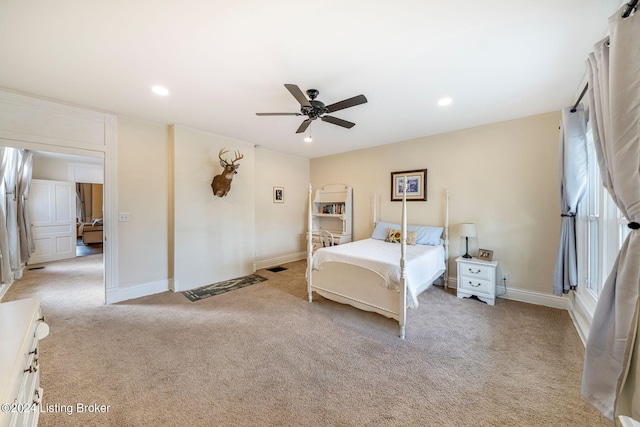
475	271
478	286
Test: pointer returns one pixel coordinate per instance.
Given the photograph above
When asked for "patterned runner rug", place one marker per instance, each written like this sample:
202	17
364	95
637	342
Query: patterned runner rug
222	287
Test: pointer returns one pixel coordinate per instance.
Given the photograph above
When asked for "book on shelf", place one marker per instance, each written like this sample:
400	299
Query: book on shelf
334	209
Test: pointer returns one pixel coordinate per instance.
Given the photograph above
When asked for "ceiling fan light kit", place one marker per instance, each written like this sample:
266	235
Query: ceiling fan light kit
314	109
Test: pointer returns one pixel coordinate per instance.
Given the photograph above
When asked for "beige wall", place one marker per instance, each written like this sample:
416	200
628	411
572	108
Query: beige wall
96	201
50	168
143	188
279	225
502	177
213	236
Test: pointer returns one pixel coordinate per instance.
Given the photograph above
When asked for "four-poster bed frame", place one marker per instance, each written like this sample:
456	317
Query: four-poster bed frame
366	288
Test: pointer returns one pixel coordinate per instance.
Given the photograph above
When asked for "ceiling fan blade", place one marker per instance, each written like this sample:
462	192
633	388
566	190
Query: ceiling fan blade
297	94
278	114
337	121
304	126
351	102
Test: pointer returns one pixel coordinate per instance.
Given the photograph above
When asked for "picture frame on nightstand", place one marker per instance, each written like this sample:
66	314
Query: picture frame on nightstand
485	254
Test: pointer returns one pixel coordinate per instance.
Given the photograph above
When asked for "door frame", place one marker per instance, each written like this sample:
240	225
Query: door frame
41	125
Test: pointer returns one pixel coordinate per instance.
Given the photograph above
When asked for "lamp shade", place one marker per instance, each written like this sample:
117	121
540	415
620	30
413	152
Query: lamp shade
467	230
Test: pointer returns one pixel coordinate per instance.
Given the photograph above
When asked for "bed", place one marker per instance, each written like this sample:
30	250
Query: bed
380	276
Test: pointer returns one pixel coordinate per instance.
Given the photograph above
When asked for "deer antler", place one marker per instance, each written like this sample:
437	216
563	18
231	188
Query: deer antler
238	157
222	151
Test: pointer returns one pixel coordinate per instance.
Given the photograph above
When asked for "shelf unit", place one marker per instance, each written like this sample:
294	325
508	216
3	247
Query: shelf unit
333	211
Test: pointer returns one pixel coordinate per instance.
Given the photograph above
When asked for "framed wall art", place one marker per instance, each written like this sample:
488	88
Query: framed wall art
278	194
416	185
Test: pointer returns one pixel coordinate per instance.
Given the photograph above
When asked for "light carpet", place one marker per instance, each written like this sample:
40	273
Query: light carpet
264	356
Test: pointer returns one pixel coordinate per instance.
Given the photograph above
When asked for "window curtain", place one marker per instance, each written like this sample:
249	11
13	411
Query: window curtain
80	202
12	156
611	368
27	245
6	275
573	182
83	202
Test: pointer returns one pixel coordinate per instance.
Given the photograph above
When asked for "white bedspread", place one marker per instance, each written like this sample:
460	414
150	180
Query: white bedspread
424	263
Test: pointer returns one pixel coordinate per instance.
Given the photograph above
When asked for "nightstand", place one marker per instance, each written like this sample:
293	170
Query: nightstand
477	277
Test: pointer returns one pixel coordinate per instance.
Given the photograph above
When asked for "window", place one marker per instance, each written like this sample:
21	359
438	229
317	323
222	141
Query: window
600	227
591	201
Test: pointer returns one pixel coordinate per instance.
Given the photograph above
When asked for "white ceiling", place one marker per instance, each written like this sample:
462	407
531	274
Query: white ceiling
225	60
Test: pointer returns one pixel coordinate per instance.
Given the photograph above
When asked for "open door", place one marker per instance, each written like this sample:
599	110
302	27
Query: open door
53	222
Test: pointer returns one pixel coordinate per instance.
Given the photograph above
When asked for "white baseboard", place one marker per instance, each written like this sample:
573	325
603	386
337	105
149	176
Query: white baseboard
523	295
531	297
581	310
272	262
123	294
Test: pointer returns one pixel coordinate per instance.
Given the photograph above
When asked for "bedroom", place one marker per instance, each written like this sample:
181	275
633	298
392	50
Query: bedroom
501	175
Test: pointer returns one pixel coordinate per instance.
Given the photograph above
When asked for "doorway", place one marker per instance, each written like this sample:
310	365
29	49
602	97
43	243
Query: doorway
89	218
56	210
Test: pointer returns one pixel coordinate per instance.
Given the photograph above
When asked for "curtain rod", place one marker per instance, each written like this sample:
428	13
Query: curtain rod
631	9
575	106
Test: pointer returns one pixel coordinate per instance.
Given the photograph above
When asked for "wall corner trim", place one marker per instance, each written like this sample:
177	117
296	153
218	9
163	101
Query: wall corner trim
272	262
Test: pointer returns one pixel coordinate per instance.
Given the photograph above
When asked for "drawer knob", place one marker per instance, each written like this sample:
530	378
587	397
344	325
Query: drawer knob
474	271
475	286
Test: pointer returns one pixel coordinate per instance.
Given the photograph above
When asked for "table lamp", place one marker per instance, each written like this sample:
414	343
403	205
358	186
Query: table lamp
467	230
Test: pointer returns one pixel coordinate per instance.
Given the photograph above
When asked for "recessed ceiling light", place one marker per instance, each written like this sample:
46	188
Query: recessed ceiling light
443	102
160	90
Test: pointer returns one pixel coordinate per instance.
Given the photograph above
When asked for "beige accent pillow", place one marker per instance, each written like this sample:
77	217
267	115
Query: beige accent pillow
395	236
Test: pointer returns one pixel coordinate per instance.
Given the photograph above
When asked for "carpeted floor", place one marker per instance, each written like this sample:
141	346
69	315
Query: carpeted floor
264	356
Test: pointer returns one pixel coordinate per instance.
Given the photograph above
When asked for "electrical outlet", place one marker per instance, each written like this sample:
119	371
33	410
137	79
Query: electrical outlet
505	277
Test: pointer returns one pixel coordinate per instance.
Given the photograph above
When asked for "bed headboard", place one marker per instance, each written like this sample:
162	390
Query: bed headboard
445	231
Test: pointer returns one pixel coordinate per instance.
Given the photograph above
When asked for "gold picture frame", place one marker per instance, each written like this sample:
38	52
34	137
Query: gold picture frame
416	188
485	254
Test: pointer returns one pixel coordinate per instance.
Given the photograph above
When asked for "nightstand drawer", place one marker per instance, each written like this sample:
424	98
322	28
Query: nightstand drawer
476	285
475	271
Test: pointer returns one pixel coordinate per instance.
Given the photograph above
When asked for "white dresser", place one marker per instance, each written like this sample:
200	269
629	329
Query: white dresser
477	277
21	328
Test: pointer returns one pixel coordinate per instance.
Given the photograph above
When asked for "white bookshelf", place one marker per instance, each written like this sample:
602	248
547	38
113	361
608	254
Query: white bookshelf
333	211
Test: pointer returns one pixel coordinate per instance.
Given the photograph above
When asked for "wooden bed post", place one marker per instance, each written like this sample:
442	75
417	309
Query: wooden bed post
310	245
403	248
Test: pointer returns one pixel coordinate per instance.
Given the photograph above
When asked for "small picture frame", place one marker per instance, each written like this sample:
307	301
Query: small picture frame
278	194
416	185
485	254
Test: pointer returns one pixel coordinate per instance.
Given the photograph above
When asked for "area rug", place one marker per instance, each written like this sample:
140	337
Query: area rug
222	287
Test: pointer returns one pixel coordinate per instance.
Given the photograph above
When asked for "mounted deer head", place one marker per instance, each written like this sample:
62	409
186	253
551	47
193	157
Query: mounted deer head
222	183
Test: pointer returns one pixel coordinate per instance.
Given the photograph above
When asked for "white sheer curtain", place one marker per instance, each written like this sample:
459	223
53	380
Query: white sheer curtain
12	156
573	182
27	245
6	275
611	369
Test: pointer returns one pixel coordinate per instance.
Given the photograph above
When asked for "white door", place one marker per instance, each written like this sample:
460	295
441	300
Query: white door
53	220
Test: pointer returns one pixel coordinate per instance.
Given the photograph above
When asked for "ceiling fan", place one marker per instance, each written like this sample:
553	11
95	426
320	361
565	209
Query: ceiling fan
314	109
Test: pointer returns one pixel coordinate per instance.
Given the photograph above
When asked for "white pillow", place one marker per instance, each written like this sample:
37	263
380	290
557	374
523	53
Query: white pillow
427	235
